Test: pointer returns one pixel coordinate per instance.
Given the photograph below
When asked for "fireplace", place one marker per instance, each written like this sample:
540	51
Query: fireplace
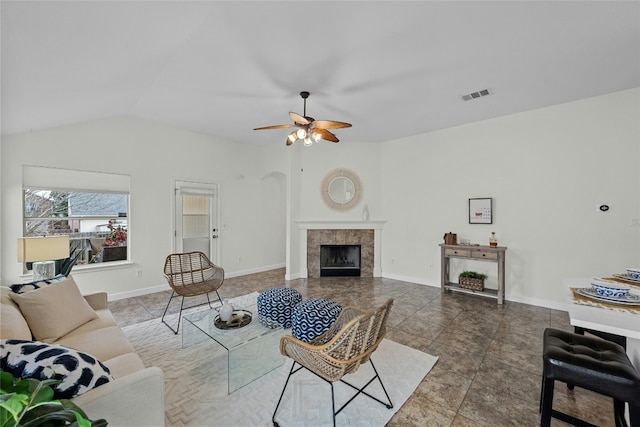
366	234
339	260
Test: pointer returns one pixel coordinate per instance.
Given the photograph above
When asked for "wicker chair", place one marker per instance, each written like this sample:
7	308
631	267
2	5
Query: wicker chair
190	274
341	350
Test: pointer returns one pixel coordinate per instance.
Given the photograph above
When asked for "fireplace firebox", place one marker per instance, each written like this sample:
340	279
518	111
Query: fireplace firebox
339	260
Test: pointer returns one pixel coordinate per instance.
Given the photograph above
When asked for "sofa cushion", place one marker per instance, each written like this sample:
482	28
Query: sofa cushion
124	364
21	288
54	310
12	322
105	343
103	320
78	371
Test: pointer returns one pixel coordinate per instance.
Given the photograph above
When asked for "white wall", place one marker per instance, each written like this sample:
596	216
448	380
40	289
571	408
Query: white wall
154	155
547	170
318	160
309	167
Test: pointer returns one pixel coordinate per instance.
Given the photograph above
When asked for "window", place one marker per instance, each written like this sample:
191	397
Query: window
95	217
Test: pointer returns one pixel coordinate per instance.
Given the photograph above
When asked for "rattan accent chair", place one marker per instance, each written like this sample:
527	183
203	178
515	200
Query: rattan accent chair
191	274
341	350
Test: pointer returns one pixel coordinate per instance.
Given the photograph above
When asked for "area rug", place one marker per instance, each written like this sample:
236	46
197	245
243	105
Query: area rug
195	381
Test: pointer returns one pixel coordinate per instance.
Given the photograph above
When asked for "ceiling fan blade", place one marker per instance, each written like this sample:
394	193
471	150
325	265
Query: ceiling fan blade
298	118
326	135
275	127
330	124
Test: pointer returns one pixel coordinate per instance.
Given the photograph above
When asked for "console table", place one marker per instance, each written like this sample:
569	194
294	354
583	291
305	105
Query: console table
476	253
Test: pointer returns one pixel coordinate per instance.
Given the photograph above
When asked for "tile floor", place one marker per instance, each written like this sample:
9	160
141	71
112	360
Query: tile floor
490	356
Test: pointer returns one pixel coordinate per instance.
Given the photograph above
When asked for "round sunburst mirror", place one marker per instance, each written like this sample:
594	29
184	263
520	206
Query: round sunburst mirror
341	189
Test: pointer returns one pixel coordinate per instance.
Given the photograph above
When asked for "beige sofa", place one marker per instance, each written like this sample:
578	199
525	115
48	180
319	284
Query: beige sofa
135	396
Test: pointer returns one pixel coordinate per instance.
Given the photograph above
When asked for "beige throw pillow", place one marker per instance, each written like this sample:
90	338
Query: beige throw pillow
55	310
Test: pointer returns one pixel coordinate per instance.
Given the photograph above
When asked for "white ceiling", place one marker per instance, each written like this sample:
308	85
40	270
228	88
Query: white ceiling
390	68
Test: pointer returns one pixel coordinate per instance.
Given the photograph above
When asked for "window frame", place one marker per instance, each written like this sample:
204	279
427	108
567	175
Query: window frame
37	178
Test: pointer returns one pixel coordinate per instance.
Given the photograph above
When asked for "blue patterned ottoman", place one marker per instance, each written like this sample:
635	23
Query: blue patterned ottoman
275	306
313	317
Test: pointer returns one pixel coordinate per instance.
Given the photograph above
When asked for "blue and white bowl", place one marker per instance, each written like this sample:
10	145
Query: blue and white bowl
609	288
634	273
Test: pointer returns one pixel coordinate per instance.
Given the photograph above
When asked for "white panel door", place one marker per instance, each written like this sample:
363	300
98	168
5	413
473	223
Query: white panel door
196	224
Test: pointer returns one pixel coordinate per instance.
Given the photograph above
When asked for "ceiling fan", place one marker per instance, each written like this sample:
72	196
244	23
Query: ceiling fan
309	130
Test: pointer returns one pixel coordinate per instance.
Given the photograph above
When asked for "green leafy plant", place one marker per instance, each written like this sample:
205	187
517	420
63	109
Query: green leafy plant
29	403
473	275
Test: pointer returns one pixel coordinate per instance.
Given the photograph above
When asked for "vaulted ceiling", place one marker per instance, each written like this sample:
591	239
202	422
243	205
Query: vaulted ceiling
391	68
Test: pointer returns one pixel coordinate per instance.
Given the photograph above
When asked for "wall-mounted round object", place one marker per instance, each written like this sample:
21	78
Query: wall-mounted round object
341	189
604	208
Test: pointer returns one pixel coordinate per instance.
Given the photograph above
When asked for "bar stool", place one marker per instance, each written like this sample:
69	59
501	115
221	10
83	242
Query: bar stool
591	363
618	339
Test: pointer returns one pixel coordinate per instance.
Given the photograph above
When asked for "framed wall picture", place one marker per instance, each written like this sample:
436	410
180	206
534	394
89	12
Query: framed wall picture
481	211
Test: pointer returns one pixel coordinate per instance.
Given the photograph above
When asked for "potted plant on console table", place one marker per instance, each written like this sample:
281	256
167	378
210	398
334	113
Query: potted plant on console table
472	280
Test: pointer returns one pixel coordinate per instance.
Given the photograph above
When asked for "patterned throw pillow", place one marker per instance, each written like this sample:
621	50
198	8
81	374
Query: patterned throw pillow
20	288
78	371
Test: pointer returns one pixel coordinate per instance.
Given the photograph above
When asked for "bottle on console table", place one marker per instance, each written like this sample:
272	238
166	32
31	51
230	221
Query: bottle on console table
493	242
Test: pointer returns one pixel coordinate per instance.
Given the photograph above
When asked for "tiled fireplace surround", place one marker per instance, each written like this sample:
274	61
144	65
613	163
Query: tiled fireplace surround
317	238
363	233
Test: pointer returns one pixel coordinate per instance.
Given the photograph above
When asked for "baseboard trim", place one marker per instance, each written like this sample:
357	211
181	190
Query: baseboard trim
165	287
255	270
410	279
293	276
138	292
417	280
555	305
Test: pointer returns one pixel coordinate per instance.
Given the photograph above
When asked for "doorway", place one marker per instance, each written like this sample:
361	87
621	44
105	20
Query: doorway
196	218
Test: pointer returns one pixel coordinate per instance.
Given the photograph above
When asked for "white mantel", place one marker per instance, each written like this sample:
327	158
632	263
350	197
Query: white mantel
375	225
340	225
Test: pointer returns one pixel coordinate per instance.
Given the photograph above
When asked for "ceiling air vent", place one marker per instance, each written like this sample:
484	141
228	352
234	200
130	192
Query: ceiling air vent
478	94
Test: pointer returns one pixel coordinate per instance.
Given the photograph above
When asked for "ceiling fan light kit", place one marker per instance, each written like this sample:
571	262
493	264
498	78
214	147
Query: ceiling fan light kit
309	130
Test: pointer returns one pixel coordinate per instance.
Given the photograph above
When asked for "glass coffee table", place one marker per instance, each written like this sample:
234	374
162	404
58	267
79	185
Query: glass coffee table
252	350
